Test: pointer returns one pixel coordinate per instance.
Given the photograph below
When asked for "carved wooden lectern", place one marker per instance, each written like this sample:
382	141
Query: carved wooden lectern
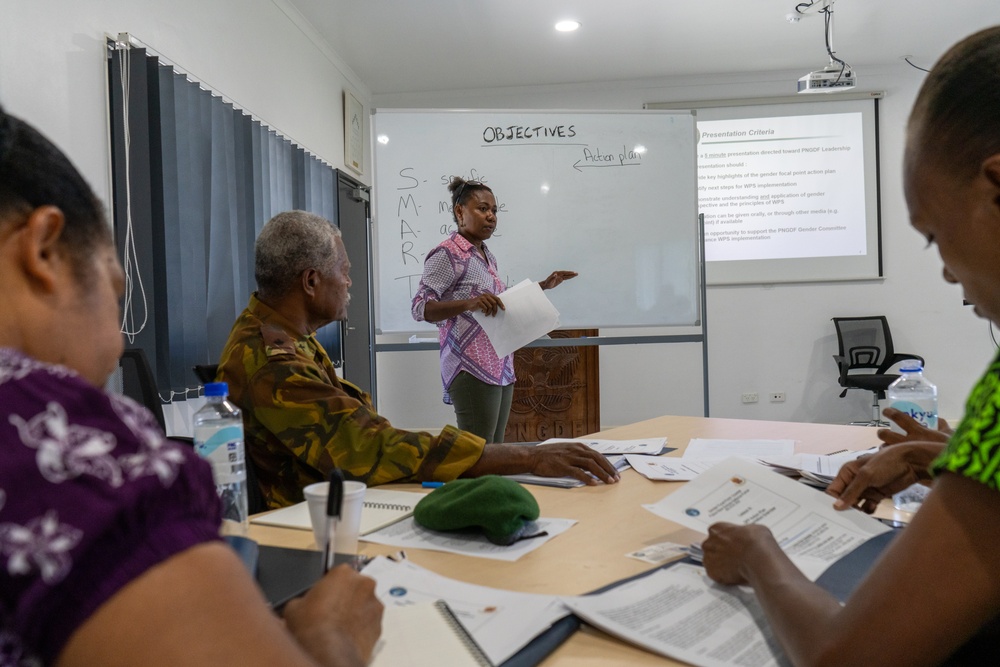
557	392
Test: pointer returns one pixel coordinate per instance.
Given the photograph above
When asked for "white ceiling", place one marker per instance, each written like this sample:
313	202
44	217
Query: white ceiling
397	46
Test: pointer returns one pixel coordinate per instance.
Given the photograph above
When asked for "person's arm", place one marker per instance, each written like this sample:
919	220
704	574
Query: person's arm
488	304
557	278
437	282
913	431
935	585
868	480
200	607
326	428
559	459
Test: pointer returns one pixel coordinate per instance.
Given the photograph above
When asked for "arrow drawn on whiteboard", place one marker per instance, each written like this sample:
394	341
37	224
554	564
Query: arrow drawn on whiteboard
579	167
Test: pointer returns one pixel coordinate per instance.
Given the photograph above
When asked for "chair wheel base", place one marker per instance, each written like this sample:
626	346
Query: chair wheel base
871	422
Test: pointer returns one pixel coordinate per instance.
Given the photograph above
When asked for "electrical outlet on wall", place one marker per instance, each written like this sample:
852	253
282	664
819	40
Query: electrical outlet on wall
749	397
777	397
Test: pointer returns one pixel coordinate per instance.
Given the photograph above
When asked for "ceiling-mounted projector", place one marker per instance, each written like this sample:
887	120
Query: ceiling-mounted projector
828	80
837	75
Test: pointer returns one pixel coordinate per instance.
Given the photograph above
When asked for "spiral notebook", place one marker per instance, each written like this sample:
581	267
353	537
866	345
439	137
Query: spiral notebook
426	633
381	508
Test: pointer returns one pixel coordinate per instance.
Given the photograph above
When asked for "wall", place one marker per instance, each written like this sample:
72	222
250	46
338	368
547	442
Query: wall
762	338
258	53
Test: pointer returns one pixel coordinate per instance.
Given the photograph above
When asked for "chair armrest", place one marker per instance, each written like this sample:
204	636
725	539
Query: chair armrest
896	358
182	439
843	365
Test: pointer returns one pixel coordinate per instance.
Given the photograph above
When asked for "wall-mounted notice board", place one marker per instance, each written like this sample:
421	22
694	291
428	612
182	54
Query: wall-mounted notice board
612	195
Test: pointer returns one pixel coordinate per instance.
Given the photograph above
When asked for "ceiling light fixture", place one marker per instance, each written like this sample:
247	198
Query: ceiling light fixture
567	26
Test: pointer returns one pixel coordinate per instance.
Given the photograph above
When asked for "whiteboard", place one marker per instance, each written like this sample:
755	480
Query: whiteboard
611	195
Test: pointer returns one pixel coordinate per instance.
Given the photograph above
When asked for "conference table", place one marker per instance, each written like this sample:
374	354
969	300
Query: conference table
611	524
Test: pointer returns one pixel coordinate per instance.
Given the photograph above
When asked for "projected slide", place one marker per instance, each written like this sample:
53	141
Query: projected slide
783	187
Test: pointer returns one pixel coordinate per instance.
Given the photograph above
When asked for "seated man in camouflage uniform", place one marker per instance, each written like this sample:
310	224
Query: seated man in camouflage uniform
301	420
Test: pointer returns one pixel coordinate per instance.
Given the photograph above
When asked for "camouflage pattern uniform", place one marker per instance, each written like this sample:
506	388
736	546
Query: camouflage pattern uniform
301	420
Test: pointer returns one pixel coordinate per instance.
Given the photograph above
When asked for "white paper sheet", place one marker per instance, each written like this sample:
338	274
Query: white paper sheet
528	315
502	622
680	613
715	448
408	535
803	520
659	553
669	468
640	446
618	461
822	466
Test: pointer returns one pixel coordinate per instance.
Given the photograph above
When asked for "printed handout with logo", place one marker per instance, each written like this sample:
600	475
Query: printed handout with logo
809	530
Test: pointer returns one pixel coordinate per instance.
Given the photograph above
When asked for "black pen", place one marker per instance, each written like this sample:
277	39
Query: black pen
333	503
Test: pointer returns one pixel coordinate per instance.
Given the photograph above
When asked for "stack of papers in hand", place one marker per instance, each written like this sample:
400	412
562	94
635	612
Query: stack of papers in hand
527	315
814	469
808	529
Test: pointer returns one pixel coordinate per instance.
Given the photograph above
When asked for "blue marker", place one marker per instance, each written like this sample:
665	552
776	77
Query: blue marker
432	485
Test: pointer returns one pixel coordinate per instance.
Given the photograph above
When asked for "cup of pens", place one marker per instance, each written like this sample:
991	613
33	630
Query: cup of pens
335	514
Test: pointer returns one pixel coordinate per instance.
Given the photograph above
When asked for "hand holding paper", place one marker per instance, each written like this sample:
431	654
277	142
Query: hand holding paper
527	314
807	528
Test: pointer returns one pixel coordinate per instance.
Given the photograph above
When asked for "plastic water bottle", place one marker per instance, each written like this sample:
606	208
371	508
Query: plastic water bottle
218	437
917	397
913	394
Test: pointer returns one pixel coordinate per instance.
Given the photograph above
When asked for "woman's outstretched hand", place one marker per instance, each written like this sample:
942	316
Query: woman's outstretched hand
556	278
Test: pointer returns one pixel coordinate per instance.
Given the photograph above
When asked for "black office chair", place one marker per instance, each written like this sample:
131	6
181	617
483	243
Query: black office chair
866	355
139	384
205	372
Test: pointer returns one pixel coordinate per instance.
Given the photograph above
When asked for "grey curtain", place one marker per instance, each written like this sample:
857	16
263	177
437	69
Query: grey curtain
202	177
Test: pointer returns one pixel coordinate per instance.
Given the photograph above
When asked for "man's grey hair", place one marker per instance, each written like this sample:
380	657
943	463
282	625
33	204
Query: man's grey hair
289	244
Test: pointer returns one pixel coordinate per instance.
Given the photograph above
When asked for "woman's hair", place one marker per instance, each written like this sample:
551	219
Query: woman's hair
955	117
290	243
33	173
461	189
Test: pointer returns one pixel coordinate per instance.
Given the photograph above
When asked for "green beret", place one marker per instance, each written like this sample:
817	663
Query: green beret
498	506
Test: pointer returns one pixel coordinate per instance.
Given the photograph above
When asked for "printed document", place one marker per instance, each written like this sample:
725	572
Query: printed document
528	315
650	446
667	468
802	518
406	534
714	448
502	622
680	613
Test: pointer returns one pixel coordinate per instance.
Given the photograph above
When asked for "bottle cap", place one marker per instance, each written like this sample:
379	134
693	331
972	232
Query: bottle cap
909	367
216	389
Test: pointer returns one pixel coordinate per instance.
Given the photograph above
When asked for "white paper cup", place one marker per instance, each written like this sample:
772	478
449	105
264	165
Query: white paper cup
345	535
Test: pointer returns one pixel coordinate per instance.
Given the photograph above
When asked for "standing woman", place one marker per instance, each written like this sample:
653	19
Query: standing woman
460	277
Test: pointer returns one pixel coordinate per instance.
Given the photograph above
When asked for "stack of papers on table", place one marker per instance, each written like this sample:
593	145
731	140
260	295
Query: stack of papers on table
619	462
613	450
703	453
680	613
407	534
501	622
652	446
